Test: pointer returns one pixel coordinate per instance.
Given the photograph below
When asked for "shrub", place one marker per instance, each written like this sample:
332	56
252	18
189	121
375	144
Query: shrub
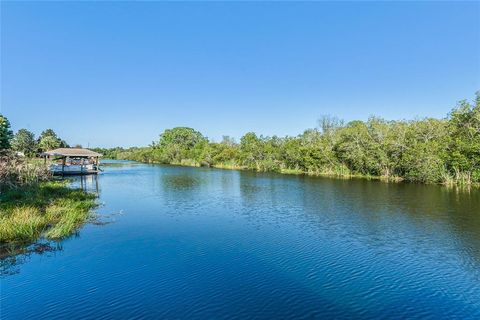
18	171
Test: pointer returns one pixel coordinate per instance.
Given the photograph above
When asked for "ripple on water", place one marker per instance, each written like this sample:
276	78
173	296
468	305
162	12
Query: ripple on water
195	243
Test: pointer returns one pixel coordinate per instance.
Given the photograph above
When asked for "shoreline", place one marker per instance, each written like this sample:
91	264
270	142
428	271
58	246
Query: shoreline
393	179
50	210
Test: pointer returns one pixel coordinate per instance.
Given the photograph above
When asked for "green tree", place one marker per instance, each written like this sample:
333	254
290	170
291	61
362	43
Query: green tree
6	134
178	143
363	146
251	150
424	150
48	140
464	147
317	150
425	156
354	146
24	141
224	152
292	154
271	151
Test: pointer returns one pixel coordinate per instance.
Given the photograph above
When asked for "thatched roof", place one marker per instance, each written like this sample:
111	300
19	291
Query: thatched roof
72	152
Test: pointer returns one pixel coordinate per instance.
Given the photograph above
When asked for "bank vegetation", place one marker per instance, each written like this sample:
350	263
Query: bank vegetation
429	150
33	205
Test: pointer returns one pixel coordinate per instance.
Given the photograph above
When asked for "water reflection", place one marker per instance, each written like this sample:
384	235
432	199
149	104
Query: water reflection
89	183
13	256
271	246
372	210
180	182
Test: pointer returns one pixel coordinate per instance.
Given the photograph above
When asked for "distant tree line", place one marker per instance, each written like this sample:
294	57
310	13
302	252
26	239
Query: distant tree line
426	150
25	142
108	153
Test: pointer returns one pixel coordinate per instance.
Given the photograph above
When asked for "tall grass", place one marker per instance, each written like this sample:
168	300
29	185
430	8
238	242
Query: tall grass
49	209
16	171
230	164
33	206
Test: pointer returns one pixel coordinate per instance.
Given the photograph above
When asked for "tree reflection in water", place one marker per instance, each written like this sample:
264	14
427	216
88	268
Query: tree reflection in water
14	255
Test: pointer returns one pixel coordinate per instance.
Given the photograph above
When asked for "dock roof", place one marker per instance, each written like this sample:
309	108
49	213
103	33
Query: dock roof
72	152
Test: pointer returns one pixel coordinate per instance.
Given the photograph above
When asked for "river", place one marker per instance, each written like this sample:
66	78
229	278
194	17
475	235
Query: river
198	243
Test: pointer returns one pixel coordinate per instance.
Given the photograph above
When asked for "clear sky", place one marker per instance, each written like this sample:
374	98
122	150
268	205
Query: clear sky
119	73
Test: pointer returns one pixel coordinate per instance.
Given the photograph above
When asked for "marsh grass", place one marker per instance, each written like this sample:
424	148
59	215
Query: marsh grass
17	172
230	165
46	209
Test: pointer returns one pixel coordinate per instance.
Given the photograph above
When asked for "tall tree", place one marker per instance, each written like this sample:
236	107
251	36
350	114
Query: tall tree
424	150
178	143
251	150
48	140
6	134
425	156
464	127
24	141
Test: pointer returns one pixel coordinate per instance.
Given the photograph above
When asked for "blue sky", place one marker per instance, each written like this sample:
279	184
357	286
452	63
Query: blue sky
119	73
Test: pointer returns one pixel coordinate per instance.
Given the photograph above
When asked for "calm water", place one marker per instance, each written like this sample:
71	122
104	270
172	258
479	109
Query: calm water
204	243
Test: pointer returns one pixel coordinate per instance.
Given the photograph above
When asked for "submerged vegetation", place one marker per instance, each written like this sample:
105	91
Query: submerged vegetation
34	206
427	150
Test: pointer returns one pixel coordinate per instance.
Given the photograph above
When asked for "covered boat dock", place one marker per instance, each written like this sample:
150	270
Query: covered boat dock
73	161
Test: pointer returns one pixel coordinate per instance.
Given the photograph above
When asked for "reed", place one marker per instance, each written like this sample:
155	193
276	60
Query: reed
47	209
16	172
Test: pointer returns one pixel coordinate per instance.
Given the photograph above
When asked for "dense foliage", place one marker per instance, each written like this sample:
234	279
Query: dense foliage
17	172
33	206
48	140
108	153
24	141
426	150
6	134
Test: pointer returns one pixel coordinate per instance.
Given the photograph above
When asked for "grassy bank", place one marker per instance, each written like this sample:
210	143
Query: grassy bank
33	205
47	209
